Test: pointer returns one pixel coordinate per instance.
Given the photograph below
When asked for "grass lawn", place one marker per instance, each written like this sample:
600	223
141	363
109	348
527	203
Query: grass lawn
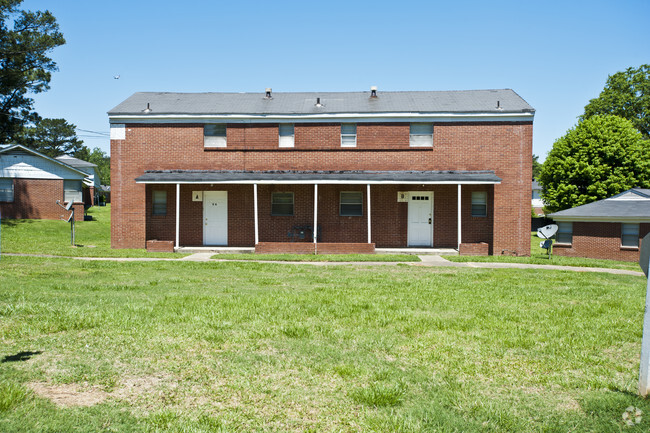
229	347
539	256
321	257
93	238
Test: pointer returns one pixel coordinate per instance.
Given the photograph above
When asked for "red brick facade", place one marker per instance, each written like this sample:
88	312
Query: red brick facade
600	240
36	199
504	147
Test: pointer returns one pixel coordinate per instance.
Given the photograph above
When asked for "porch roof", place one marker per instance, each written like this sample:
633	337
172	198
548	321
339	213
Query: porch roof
454	177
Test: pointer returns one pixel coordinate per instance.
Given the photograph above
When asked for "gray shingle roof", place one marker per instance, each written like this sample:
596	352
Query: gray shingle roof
233	176
462	101
75	162
609	209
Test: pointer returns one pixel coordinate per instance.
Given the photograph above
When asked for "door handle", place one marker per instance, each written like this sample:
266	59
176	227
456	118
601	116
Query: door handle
429	220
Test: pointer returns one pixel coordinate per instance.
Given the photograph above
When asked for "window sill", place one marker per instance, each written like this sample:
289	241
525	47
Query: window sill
624	248
562	245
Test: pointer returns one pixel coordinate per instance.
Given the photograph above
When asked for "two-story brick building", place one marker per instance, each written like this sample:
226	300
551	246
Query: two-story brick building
325	172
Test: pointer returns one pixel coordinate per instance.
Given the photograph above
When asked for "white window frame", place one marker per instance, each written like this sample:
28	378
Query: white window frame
421	135
159	202
72	191
215	135
564	233
348	138
629	235
479	201
7	190
286	133
293	203
358	202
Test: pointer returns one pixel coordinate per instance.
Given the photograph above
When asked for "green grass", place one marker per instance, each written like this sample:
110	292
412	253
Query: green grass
538	256
52	237
242	346
321	257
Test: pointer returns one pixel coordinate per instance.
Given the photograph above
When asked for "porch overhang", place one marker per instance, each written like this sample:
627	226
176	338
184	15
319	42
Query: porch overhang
438	177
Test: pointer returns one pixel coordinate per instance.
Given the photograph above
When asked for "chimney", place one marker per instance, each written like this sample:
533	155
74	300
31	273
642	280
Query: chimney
373	92
268	93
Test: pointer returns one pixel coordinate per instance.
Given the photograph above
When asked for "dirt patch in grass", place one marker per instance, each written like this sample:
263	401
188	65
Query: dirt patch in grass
66	395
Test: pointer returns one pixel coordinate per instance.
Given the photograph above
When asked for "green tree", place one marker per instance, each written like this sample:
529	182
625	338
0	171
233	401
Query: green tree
599	157
537	166
103	163
53	137
26	38
627	95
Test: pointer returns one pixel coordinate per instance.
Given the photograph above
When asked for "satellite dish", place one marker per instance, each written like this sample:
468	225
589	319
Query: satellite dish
69	206
547	232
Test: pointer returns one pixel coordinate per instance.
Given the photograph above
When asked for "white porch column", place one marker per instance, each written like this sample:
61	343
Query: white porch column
368	198
315	229
178	212
257	229
459	218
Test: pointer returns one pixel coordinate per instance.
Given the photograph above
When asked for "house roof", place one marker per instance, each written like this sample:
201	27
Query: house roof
629	206
319	177
75	162
294	103
29	170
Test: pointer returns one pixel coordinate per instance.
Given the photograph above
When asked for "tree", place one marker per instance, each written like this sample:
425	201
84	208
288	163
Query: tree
26	38
53	137
600	157
103	163
537	166
626	94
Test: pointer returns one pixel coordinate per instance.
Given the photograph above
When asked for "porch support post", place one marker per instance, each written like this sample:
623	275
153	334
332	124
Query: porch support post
368	198
257	227
178	212
315	228
459	219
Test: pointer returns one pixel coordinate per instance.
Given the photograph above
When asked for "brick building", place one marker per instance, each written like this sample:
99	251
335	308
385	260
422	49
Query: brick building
31	183
325	172
605	229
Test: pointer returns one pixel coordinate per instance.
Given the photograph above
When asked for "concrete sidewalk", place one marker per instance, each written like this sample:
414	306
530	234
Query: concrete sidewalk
426	261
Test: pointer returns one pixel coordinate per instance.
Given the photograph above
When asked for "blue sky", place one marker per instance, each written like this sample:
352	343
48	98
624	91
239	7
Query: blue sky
556	55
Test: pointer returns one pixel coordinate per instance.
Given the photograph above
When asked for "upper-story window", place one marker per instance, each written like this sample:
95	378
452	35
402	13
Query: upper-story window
348	135
421	135
214	135
286	135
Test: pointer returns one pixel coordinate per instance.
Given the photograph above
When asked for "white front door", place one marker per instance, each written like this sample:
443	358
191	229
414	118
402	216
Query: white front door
420	219
215	217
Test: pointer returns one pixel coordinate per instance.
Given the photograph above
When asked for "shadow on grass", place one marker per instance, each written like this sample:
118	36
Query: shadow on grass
13	222
21	356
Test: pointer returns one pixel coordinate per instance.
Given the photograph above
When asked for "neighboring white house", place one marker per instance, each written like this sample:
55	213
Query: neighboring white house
92	181
537	202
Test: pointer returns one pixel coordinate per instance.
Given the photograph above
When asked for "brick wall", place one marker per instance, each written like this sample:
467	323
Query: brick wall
36	199
599	240
504	147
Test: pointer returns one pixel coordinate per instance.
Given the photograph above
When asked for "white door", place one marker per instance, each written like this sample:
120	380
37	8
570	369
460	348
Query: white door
215	217
420	219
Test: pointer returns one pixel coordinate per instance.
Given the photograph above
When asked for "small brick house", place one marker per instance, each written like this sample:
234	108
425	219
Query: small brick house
31	183
605	229
323	172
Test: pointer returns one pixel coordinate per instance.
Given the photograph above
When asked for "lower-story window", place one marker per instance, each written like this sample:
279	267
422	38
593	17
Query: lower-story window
479	204
282	204
72	191
564	233
630	235
159	203
351	203
7	190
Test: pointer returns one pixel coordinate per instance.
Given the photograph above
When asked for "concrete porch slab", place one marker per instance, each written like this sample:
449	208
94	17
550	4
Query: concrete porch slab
418	251
216	250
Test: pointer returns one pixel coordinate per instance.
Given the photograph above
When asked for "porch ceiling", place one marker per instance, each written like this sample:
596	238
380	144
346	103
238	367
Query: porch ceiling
318	177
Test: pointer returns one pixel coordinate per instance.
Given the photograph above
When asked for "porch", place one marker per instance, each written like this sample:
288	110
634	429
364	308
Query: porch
353	212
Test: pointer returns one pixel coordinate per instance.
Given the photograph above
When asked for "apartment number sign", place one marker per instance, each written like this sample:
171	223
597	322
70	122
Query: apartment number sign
197	195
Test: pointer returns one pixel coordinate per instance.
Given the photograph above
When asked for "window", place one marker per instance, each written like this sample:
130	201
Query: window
348	135
159	203
351	203
282	204
286	135
72	191
214	135
630	235
7	190
564	233
479	204
421	135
